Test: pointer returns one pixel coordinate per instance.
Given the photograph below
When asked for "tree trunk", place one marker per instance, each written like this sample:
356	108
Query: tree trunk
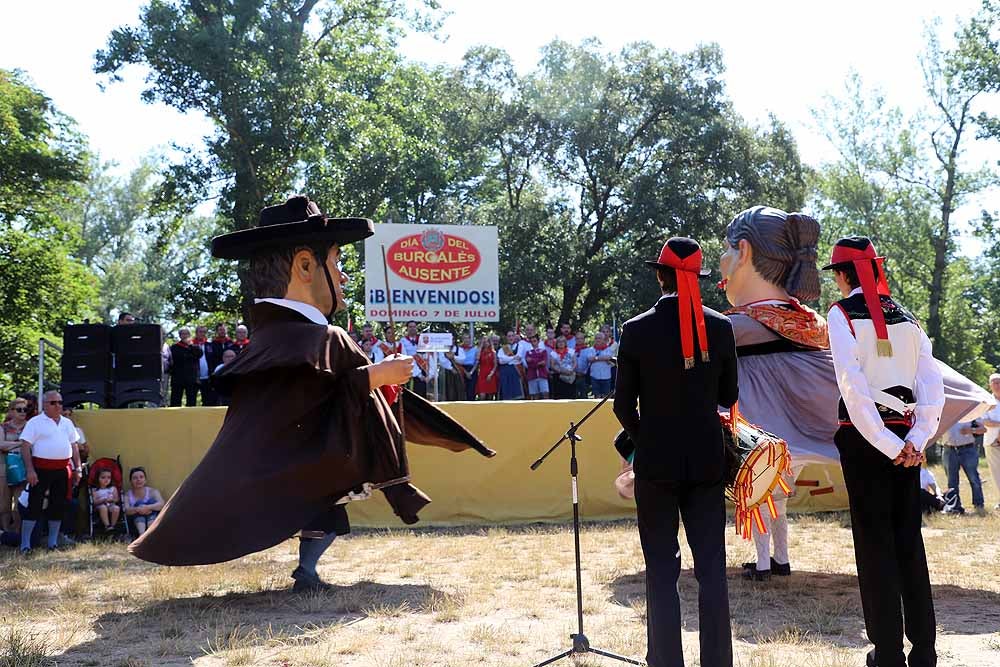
941	249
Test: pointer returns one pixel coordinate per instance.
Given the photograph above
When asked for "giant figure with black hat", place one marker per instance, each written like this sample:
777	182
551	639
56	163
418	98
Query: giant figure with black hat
679	456
892	395
309	423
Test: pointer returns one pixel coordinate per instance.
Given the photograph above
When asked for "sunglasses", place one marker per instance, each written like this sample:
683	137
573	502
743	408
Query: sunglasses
54	402
20	409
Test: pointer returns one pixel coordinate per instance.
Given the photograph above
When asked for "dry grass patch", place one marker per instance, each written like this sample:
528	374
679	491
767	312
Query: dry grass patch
500	596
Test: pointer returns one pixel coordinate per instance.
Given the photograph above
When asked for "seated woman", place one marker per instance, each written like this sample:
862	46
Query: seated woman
106	501
142	503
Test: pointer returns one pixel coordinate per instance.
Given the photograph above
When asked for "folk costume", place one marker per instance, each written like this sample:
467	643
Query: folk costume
303	430
679	360
891	391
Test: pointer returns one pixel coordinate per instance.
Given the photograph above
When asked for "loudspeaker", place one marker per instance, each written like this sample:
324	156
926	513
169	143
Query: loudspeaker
75	394
138	391
86	367
136	339
80	339
131	367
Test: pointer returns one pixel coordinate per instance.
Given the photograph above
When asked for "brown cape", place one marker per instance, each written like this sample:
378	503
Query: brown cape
301	431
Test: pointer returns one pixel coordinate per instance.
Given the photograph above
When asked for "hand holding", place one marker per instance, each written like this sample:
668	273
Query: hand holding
32	478
395	369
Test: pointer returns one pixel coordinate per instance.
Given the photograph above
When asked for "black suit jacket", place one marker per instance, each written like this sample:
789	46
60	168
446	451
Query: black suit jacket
679	437
184	363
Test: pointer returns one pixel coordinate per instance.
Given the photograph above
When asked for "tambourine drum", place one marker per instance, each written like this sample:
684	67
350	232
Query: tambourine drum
756	462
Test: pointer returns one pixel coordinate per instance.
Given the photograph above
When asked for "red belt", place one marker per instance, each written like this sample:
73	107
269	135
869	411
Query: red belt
57	464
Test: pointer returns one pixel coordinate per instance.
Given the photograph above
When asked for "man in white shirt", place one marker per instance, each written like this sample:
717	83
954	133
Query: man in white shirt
960	452
892	395
991	439
49	449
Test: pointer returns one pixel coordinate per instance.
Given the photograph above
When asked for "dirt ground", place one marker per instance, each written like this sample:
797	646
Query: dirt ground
485	596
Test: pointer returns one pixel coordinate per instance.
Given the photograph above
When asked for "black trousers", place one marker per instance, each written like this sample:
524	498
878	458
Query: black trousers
889	550
56	483
703	510
208	396
188	390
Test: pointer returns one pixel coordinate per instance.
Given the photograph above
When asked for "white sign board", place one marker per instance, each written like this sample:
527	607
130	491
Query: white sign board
437	273
435	342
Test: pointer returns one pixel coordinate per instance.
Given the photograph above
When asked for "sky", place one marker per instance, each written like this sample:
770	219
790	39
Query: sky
782	57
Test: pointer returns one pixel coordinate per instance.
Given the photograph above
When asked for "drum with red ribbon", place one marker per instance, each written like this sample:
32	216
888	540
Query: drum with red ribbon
760	461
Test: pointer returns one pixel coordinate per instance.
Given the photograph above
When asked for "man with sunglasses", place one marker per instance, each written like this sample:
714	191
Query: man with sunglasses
49	447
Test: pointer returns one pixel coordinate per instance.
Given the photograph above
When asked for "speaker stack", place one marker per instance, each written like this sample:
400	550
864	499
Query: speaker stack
138	366
86	364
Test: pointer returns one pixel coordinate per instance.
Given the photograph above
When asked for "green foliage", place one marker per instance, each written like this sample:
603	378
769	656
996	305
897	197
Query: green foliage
42	161
41	156
41	289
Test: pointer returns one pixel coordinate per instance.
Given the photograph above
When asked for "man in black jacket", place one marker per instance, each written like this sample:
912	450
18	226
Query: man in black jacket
184	370
679	456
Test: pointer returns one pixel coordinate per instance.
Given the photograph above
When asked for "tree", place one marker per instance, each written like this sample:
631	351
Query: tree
252	67
42	161
42	155
950	182
640	146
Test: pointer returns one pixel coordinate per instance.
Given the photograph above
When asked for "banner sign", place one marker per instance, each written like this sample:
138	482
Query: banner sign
435	342
437	273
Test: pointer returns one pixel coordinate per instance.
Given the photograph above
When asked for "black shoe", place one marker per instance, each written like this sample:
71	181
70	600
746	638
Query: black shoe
757	575
779	569
750	566
308	583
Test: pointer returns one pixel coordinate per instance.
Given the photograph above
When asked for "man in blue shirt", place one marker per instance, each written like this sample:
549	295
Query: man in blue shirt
583	356
600	365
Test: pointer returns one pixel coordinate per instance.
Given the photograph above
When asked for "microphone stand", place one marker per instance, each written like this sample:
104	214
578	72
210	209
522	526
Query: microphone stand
581	644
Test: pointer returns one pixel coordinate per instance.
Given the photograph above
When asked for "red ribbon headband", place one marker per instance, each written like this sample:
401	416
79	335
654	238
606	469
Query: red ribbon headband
871	287
688	301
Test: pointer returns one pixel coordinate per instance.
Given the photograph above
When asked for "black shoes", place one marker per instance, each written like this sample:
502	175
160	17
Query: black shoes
308	583
753	574
777	569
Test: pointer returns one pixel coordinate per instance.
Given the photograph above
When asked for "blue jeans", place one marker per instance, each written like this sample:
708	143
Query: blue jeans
601	387
968	459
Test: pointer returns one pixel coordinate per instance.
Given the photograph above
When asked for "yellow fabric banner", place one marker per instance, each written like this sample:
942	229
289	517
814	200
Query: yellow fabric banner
466	488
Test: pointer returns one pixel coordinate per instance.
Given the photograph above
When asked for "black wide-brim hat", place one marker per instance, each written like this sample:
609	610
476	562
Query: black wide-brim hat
298	221
680	252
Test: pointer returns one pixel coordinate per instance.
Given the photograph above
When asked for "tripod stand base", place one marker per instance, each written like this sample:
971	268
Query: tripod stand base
582	645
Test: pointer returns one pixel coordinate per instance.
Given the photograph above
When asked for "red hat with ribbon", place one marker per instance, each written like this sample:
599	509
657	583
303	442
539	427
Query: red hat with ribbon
859	251
683	255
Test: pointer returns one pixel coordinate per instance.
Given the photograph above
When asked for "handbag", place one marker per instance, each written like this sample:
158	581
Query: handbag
16	472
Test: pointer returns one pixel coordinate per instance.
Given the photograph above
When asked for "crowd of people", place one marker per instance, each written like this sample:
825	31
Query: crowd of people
528	364
51	493
520	365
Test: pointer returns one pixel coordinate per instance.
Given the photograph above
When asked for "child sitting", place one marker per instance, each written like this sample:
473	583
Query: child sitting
106	501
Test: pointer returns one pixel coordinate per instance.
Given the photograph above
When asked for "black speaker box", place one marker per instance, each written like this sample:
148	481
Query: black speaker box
132	367
94	367
75	394
139	391
79	339
136	339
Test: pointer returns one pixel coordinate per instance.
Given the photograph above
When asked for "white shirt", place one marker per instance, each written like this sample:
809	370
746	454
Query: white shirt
505	359
48	439
992	432
522	349
309	311
859	368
